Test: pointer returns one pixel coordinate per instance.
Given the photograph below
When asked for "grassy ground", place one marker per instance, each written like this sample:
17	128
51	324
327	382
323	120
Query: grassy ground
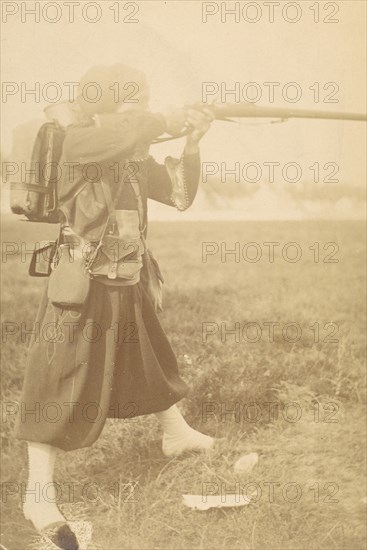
309	485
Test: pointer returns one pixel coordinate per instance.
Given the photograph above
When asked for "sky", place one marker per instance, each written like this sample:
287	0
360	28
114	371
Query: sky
179	53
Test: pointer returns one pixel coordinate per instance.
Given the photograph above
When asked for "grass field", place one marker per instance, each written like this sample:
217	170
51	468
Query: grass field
309	485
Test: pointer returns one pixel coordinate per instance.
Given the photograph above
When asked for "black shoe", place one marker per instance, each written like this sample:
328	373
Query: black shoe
61	536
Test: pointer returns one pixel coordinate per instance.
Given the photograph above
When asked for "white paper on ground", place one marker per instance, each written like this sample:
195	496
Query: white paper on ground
201	502
246	463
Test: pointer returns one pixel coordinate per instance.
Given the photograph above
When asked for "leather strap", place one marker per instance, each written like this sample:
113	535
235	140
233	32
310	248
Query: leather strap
136	188
21	186
111	206
111	202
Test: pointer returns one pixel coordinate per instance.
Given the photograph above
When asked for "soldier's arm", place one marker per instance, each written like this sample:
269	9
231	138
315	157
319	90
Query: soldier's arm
175	182
112	136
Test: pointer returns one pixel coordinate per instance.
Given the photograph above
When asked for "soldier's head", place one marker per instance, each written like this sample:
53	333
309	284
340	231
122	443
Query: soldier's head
108	89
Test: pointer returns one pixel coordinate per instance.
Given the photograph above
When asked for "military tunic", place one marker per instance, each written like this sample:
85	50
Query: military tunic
109	358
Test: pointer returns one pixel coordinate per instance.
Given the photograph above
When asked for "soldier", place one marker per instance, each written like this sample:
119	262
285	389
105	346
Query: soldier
93	377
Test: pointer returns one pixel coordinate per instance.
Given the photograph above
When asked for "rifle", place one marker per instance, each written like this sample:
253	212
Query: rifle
37	199
225	112
66	113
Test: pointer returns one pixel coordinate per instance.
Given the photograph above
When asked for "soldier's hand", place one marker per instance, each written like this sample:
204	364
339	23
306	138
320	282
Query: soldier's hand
175	121
200	122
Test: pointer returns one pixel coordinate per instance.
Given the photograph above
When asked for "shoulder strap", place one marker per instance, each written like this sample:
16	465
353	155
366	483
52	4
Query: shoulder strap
136	187
111	205
111	202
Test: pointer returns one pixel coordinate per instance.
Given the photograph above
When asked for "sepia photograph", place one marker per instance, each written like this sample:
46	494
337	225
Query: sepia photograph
183	275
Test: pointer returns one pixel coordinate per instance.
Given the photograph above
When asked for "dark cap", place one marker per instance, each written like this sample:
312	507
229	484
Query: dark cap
104	88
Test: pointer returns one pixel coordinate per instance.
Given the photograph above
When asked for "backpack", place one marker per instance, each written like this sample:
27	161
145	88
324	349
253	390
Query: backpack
33	189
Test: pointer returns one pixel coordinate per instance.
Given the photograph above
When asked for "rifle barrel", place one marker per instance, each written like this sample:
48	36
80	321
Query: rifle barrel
248	110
